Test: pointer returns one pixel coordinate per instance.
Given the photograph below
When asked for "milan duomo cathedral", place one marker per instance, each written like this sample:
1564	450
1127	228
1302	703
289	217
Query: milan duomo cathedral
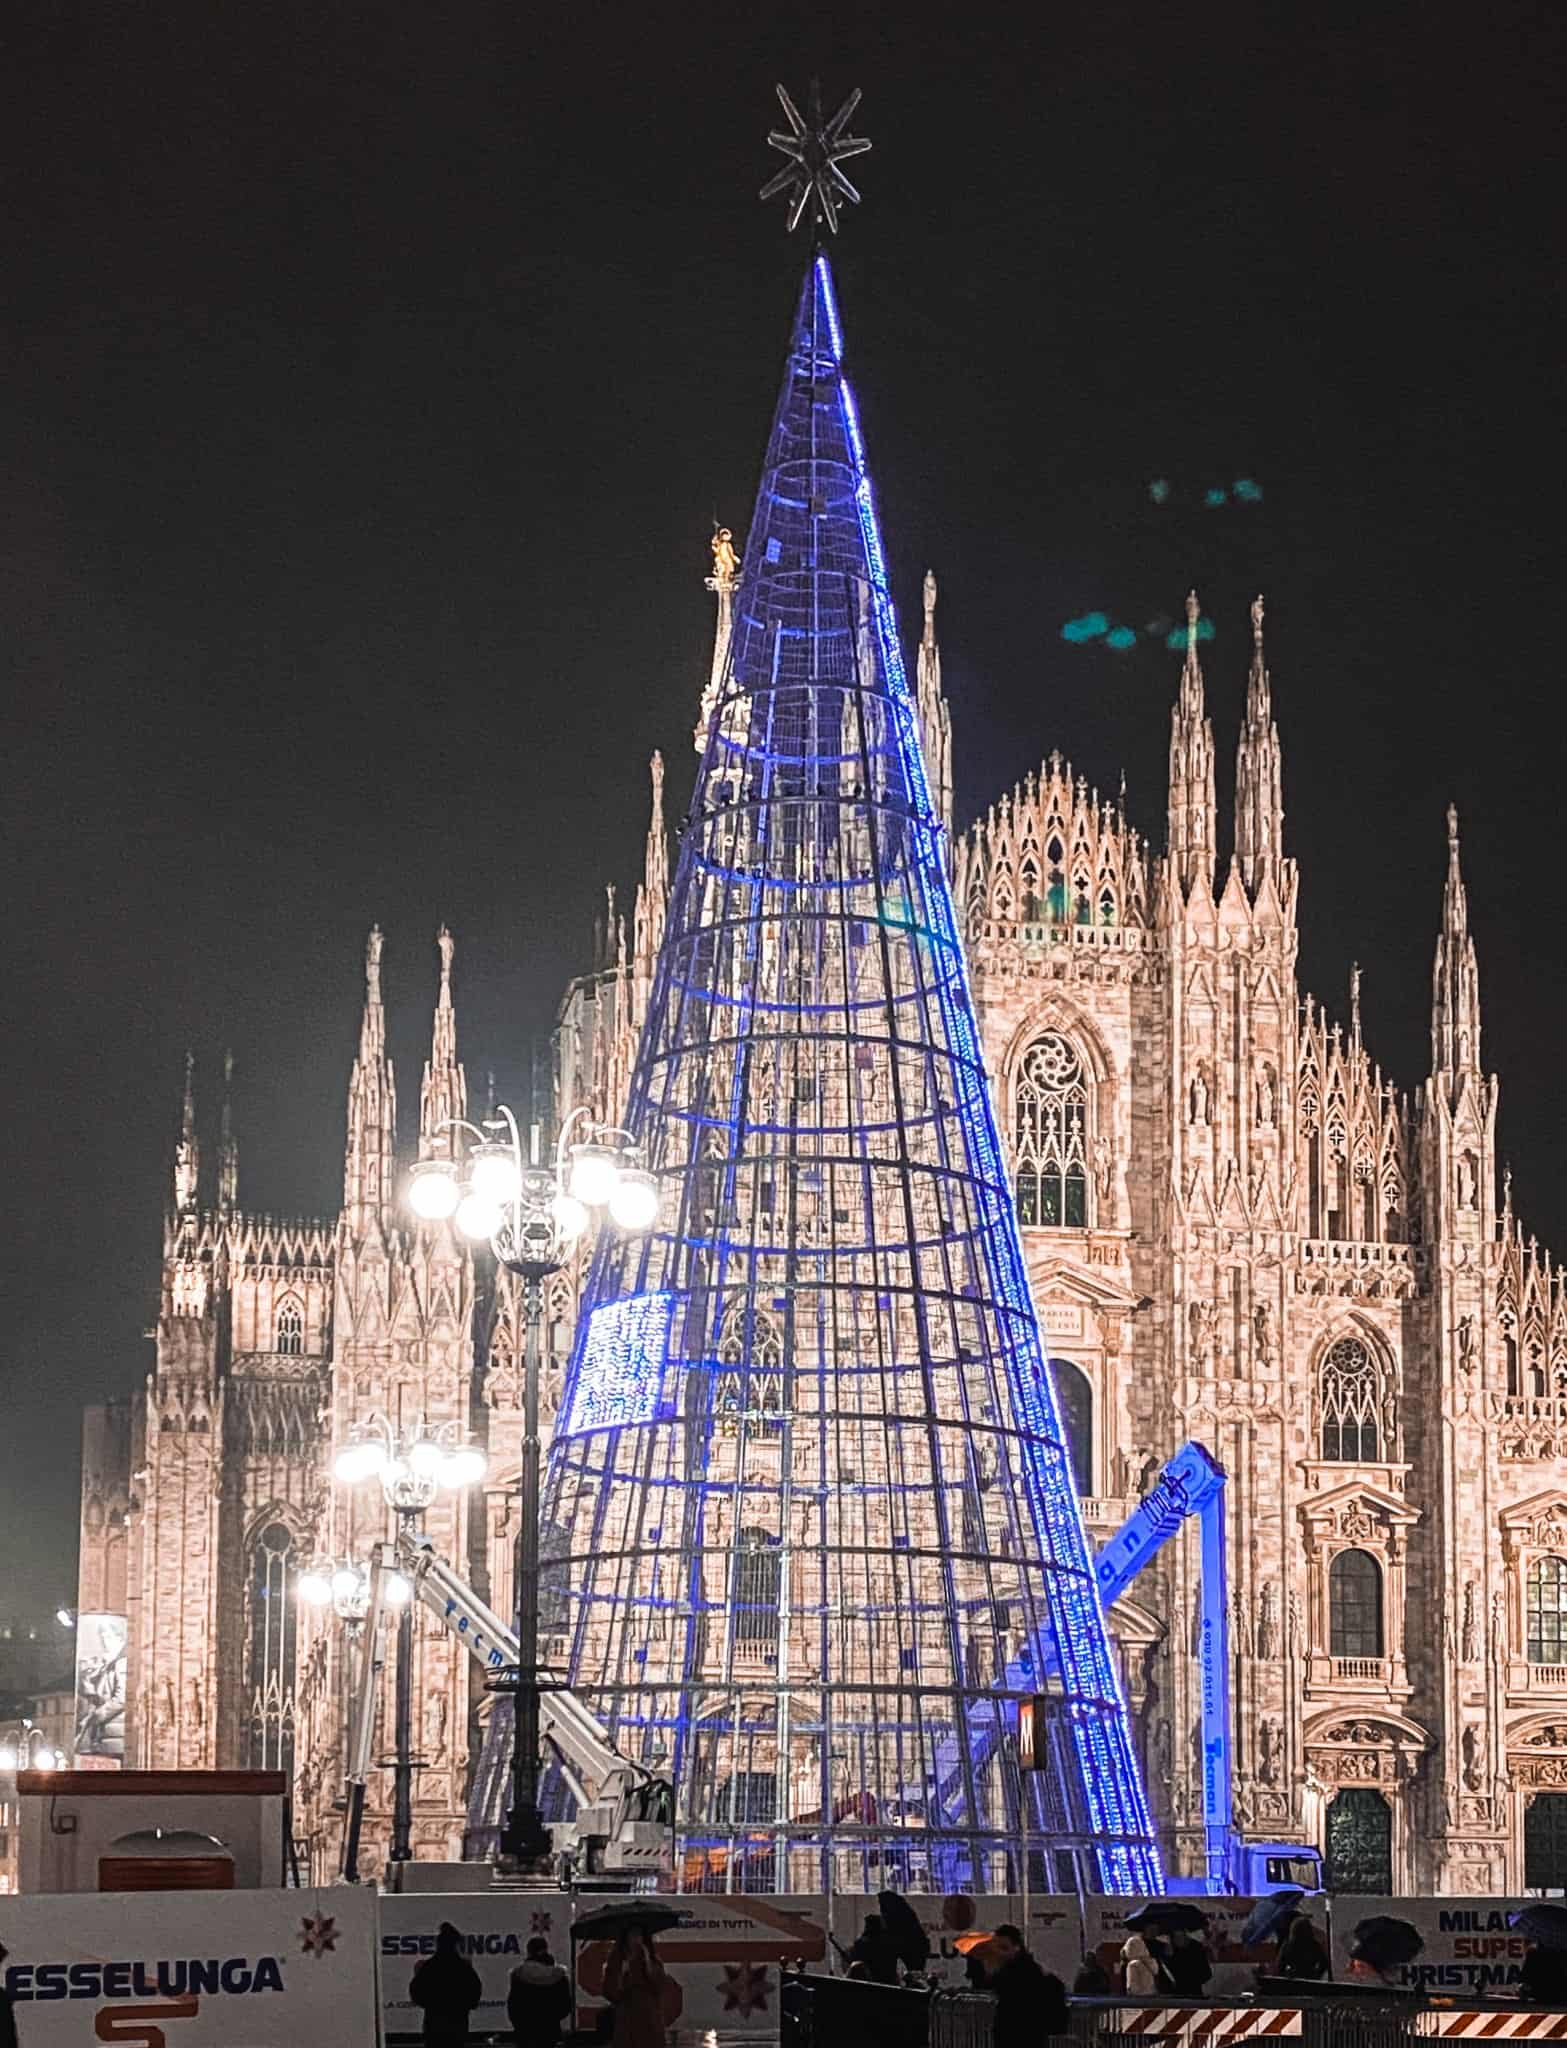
1236	1229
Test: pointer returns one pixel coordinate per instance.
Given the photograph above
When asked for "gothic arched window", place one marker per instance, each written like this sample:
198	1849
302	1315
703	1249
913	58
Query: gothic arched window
290	1338
272	1650
1354	1605
1351	1390
757	1583
1052	1128
1545	1610
749	1383
1075	1398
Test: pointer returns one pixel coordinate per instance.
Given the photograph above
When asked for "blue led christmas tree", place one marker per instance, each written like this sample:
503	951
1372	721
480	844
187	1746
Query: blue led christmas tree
810	1524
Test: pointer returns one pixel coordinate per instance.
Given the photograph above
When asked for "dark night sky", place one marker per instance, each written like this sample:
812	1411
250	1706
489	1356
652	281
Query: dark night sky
371	376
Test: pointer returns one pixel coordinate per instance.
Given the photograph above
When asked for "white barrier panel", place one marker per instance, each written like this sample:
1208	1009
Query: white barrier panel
250	1969
495	1928
1468	1943
1053	1933
1235	1965
723	1963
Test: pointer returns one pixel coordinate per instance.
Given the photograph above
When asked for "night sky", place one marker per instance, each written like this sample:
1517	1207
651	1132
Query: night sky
372	376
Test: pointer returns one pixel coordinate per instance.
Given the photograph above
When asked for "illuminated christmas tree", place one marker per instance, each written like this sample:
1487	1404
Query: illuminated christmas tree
810	1527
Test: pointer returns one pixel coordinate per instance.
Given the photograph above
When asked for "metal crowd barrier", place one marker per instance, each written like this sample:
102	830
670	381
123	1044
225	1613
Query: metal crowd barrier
836	2012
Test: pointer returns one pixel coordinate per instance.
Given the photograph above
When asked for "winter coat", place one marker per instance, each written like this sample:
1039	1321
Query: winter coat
1543	1979
1030	2003
634	1986
1301	1953
1187	1968
538	2003
447	1986
7	2017
1139	1968
879	1954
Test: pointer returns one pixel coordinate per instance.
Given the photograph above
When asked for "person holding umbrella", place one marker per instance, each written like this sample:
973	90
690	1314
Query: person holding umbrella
1303	1953
1543	1980
1383	1946
634	1981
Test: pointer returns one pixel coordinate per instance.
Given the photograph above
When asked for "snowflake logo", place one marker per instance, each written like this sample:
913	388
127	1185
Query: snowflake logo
745	1988
541	1923
317	1934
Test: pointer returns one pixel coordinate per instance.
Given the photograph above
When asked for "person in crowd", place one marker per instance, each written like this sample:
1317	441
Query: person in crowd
877	1950
1542	1981
634	1983
538	2004
1030	2002
1186	1967
7	2009
1139	1967
447	1987
1092	1979
1302	1952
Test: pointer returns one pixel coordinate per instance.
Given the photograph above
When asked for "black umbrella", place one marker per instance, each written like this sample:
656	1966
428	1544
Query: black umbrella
1167	1916
1268	1919
904	1930
608	1923
1386	1943
1545	1924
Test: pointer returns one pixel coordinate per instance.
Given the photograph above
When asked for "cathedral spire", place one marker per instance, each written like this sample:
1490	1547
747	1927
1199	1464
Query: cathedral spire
228	1145
372	1109
935	712
1259	797
444	1093
652	904
1191	771
723	583
1455	981
187	1153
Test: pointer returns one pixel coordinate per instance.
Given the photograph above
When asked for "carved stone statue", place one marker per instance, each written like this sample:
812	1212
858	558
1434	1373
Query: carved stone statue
1466	1344
726	563
1199	1094
435	1727
1269	1745
1267	1094
1466	1180
1262	1333
1268	1621
1470	1646
1474	1774
1202	1322
1102	1165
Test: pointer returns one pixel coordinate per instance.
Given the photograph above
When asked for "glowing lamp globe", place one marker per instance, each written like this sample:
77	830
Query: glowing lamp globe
426	1458
346	1584
315	1588
8	1758
463	1468
594	1172
433	1192
571	1216
493	1172
399	1589
44	1759
478	1217
633	1201
358	1462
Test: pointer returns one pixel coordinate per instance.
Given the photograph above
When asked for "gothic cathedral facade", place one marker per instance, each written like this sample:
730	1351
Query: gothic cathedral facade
1238	1231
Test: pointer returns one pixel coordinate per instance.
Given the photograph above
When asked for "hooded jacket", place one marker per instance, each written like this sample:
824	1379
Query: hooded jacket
538	2003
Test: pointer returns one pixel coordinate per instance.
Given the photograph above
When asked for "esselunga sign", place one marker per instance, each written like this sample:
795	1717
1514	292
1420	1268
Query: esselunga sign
206	1970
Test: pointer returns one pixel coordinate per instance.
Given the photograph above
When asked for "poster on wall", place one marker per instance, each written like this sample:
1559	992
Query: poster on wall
493	1928
100	1688
251	1969
1467	1943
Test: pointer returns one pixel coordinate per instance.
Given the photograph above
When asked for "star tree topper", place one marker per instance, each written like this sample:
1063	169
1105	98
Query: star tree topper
815	148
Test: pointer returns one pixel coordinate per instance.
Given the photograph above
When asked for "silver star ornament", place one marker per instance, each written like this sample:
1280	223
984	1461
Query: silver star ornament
815	148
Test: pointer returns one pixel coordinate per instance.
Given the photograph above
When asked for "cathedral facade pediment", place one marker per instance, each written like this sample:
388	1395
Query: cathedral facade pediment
1081	1286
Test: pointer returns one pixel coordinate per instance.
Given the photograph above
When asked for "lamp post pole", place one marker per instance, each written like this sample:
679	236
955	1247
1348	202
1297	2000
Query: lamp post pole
401	1848
532	1215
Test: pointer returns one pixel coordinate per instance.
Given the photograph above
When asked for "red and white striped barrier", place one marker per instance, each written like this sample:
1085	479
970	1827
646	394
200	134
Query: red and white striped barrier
1497	2026
1204	2022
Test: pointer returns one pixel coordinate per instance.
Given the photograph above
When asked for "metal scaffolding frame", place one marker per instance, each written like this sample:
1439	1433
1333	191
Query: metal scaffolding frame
810	1527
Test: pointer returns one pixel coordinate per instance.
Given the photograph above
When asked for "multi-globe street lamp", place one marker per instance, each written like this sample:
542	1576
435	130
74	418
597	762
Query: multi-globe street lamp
28	1750
532	1215
344	1586
413	1465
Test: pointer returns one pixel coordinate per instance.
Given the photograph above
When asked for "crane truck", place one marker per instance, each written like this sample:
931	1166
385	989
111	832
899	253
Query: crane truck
621	1829
1192	1483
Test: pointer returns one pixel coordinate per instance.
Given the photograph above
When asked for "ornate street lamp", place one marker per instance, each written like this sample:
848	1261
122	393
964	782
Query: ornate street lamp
532	1215
413	1466
343	1586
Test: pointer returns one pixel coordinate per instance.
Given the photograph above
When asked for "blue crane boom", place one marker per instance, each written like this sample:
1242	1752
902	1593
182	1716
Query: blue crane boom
1192	1483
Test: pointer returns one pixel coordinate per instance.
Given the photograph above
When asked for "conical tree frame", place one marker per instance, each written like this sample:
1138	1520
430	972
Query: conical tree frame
810	1528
